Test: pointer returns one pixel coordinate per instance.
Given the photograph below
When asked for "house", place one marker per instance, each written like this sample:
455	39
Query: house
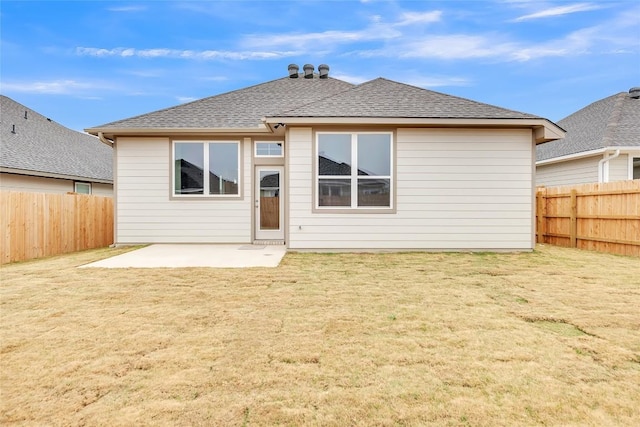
40	155
379	165
602	144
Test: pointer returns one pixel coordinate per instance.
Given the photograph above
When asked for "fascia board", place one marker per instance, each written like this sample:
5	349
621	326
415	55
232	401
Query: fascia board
54	175
550	131
590	153
113	132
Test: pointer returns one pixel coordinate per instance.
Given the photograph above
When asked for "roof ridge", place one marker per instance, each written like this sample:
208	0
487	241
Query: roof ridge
317	100
454	96
614	119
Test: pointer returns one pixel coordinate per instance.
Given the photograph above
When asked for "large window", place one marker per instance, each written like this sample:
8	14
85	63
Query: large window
220	160
354	170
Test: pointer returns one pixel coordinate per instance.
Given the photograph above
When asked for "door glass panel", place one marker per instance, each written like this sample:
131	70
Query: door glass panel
269	200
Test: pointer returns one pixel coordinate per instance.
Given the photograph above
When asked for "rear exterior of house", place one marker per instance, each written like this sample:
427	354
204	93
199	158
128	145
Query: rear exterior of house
602	144
321	164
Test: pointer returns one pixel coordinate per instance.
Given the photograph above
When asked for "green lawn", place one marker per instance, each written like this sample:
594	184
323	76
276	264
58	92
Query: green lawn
550	338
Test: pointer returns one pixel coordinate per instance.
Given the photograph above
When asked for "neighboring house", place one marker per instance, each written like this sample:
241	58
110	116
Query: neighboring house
602	144
379	165
39	155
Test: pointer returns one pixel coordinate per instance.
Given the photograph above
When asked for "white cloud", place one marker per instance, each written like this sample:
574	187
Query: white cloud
182	54
559	11
127	9
53	87
356	80
185	99
456	46
409	18
435	81
320	40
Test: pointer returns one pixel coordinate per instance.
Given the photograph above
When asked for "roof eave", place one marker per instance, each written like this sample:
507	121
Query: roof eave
54	175
111	133
589	153
543	129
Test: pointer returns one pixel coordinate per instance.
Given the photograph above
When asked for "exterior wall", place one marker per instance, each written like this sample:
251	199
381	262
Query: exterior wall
456	189
145	213
105	190
38	184
579	171
619	168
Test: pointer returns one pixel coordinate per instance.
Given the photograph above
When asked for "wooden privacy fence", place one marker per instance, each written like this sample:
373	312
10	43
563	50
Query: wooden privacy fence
602	217
42	224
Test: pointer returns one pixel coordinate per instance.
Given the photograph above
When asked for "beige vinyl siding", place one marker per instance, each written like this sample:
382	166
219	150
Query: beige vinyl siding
456	189
619	168
39	184
98	189
146	214
579	171
34	184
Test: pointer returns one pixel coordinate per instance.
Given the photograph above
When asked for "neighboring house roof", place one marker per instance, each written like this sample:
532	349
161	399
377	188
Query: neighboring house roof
386	98
610	122
261	108
32	144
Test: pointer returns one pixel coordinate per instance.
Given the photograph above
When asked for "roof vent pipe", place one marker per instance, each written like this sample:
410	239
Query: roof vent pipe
308	71
293	71
634	92
323	69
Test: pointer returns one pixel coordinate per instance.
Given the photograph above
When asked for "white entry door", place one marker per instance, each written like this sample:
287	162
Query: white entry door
269	203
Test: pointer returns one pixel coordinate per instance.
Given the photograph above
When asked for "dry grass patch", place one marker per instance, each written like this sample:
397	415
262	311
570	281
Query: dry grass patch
551	337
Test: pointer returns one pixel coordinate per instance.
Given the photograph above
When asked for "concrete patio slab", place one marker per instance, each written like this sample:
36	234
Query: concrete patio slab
215	256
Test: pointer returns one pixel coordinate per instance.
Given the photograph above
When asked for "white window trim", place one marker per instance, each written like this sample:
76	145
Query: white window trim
75	187
205	175
632	156
354	175
255	149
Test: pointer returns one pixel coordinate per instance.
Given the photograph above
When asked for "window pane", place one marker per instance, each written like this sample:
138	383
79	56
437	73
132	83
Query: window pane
223	168
334	192
374	154
83	188
334	154
189	158
269	149
374	192
636	168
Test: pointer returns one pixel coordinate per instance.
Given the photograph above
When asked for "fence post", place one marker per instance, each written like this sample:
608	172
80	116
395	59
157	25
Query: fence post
541	208
573	230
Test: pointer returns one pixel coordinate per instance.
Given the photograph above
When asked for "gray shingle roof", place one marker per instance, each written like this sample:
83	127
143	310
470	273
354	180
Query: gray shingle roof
610	122
41	145
243	108
387	98
286	97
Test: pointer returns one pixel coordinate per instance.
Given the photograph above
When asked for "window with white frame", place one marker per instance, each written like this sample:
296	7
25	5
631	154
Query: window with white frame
82	187
210	168
268	149
354	170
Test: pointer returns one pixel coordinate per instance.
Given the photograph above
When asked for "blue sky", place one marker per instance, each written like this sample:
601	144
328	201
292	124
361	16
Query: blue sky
86	63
